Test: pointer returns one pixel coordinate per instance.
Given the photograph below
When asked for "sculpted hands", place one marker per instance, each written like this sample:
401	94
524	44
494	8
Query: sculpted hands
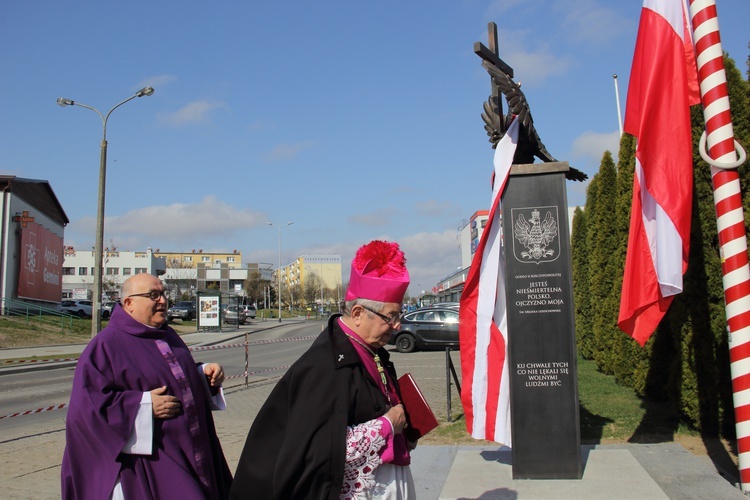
164	406
397	416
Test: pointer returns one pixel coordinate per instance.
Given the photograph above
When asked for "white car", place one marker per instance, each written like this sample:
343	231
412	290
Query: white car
107	309
80	308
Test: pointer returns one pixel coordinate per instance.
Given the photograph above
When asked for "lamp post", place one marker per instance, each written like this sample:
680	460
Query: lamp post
96	323
278	271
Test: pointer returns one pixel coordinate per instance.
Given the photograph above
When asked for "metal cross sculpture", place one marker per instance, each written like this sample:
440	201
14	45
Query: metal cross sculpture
529	143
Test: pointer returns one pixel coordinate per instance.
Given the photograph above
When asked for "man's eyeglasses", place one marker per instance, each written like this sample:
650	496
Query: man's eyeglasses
391	320
153	294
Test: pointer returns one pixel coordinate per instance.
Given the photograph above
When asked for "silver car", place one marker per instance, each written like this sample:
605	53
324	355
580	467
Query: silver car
232	316
250	311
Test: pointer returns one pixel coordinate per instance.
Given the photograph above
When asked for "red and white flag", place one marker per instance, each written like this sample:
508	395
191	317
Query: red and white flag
485	392
663	86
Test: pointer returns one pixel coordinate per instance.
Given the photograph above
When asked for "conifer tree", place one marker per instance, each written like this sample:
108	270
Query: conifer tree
600	252
629	359
584	244
580	276
686	360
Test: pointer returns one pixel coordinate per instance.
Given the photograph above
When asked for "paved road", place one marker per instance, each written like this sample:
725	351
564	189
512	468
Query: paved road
30	454
31	445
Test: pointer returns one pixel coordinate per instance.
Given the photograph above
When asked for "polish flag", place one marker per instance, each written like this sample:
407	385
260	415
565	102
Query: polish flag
485	392
663	86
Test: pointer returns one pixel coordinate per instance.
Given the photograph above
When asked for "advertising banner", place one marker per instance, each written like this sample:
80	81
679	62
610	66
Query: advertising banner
209	311
40	276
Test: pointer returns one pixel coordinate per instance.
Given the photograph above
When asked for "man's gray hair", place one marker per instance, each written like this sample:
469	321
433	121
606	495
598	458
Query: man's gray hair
367	303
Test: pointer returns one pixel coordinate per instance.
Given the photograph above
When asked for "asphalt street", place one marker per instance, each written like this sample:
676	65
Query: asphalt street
30	454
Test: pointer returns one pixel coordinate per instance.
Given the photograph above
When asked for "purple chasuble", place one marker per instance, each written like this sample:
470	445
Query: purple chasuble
121	363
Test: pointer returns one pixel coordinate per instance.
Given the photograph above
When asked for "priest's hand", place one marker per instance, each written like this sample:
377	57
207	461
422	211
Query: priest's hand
397	416
163	405
214	373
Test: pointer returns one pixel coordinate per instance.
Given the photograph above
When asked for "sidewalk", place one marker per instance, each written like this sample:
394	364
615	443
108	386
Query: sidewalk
30	464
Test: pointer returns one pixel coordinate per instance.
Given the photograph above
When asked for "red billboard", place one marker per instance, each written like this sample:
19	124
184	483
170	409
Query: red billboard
40	274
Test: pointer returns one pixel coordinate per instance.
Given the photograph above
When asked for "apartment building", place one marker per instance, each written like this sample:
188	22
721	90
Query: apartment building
78	270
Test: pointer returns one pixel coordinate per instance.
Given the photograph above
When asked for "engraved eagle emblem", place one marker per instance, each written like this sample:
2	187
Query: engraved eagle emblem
536	235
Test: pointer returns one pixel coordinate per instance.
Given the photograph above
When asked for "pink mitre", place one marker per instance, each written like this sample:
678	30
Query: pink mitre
378	273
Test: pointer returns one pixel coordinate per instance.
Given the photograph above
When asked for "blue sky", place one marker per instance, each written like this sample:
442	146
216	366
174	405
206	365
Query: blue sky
356	120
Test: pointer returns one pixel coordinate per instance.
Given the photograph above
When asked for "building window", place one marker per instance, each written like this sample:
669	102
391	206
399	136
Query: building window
82	271
187	258
126	271
140	270
205	258
69	271
230	259
113	271
92	271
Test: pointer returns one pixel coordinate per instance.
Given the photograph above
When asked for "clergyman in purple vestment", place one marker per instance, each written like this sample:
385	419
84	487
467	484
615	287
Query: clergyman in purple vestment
139	424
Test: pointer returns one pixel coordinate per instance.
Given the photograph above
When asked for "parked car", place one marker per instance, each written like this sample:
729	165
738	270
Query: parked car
184	310
250	311
80	308
428	328
107	308
443	305
231	314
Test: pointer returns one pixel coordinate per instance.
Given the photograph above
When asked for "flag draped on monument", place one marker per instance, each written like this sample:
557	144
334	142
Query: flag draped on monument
663	86
485	391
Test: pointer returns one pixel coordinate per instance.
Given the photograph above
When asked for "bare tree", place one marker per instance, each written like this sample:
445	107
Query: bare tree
312	288
181	275
291	294
110	286
254	287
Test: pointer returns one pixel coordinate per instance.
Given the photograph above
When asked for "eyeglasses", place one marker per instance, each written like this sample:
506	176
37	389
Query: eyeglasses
153	294
391	320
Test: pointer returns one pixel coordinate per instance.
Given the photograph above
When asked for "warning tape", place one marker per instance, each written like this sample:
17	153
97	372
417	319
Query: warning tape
64	405
193	349
204	348
29	361
250	374
214	347
31	412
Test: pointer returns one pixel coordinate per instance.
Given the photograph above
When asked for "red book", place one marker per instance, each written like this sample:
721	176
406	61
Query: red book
419	415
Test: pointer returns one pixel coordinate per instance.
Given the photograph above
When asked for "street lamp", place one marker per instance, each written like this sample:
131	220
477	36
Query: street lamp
96	323
278	271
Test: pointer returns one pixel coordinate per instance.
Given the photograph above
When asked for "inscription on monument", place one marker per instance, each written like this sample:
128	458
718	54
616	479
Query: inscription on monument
540	294
550	374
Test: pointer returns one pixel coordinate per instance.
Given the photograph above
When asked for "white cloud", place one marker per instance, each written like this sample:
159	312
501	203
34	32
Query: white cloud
532	62
433	208
377	218
588	21
430	257
157	81
592	145
498	7
178	225
283	152
196	112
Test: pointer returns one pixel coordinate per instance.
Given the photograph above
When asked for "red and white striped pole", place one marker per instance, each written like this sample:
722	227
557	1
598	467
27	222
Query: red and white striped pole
718	149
